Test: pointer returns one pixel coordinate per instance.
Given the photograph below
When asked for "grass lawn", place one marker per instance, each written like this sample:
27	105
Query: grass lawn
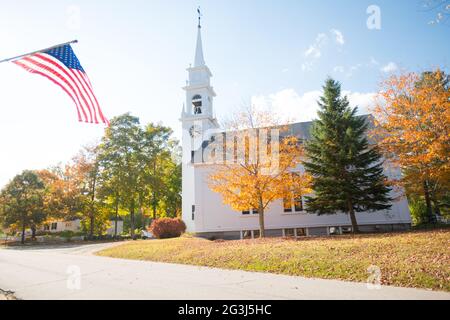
418	259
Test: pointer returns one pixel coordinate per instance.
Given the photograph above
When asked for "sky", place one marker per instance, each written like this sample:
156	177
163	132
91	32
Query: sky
273	54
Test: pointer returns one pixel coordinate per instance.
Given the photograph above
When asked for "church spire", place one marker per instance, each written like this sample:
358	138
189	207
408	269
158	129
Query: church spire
199	59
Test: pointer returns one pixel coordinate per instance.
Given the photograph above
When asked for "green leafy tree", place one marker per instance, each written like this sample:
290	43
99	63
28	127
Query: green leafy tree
109	193
347	172
159	167
138	171
22	202
120	160
86	170
172	196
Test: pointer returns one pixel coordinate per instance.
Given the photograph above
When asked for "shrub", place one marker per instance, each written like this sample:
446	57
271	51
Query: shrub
418	210
67	234
63	234
167	228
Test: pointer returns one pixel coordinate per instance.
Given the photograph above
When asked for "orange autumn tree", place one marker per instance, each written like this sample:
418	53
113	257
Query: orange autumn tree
413	130
258	165
62	196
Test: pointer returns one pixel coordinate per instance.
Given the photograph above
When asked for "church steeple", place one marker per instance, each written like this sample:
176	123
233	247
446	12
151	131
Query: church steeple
199	125
199	92
199	59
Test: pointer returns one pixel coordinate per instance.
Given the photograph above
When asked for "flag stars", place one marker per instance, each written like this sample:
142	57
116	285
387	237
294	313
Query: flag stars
66	55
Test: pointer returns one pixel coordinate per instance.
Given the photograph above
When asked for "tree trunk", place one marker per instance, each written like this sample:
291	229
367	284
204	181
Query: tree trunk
435	204
132	222
117	217
33	232
92	215
154	192
154	207
23	233
426	191
351	212
143	219
91	229
262	233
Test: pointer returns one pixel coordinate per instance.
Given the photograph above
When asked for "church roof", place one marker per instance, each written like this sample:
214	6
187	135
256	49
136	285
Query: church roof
301	130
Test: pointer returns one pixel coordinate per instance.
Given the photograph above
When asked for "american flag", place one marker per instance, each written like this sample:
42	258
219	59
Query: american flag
61	66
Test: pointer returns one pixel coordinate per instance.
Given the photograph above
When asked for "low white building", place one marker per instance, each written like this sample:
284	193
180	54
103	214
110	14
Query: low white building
203	210
75	226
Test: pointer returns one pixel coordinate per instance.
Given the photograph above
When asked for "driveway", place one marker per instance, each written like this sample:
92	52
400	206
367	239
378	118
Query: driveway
73	272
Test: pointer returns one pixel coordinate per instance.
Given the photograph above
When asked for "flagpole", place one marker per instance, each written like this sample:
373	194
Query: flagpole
37	51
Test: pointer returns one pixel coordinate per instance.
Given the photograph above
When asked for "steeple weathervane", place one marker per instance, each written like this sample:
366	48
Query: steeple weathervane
199	59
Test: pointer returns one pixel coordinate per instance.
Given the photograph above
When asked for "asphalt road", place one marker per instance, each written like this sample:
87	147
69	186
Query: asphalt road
72	272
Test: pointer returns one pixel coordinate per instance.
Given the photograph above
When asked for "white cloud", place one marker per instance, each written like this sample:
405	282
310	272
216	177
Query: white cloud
373	62
314	50
390	67
353	69
348	71
339	37
339	69
307	66
290	106
364	101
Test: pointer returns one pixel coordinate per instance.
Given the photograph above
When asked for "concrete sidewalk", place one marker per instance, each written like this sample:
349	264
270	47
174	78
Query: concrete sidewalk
72	272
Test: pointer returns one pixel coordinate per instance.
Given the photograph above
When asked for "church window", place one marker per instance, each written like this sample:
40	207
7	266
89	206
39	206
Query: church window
250	211
287	204
289	233
294	204
246	234
197	104
294	232
298	203
301	232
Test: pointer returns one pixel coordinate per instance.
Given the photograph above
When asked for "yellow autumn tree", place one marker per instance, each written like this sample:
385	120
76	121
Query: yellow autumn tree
413	130
259	164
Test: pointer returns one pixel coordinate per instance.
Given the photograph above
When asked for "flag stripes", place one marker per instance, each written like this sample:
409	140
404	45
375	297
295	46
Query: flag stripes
62	68
42	60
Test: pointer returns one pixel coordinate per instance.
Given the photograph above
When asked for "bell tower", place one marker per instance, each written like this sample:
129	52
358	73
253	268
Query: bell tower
198	122
198	109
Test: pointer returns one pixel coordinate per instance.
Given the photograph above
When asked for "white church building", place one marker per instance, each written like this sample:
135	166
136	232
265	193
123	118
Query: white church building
203	210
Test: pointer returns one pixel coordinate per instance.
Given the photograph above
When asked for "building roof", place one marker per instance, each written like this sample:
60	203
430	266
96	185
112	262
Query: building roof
301	130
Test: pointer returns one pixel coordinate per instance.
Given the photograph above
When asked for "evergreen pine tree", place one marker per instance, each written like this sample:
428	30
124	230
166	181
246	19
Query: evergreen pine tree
347	171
